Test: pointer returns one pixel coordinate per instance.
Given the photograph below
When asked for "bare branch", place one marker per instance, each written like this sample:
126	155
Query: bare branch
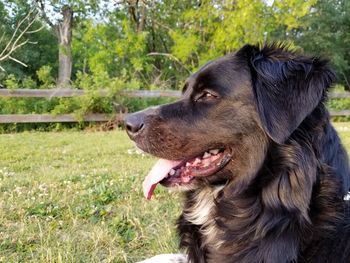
17	39
2	37
18	61
15	46
14	37
36	30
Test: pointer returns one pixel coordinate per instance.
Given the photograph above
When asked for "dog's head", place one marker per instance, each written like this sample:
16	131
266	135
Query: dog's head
231	110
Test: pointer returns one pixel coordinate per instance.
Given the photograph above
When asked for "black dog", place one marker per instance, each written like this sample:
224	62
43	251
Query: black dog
265	174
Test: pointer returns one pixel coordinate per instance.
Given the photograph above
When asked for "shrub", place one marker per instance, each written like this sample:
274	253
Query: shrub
29	83
11	82
45	77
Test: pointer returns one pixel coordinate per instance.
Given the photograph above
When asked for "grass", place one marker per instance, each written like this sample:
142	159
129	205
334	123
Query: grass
77	197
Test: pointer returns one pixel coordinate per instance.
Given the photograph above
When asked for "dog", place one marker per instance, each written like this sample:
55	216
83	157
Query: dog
264	174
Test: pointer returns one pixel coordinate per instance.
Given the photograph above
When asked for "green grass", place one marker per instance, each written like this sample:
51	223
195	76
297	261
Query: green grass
343	129
77	197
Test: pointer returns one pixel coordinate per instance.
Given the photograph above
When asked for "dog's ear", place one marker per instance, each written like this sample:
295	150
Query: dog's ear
287	87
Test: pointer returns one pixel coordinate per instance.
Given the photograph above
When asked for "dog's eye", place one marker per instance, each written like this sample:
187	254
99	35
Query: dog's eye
205	95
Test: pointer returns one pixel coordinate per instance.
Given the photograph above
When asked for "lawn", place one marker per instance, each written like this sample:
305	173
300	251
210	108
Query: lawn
77	197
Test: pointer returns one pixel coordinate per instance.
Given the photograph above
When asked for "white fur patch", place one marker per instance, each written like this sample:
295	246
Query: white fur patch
201	214
166	258
347	197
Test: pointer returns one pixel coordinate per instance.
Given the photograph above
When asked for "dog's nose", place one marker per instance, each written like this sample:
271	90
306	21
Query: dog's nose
134	123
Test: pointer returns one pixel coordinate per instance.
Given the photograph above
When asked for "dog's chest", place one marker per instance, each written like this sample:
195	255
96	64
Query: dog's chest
202	213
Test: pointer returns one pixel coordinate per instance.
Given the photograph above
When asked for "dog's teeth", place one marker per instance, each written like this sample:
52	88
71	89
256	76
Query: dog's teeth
206	155
197	161
172	172
214	151
188	164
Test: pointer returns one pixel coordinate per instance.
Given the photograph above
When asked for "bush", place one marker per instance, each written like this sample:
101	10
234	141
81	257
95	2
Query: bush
45	77
29	83
11	82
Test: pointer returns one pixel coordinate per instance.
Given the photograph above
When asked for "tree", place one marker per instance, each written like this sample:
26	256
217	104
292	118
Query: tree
69	11
151	23
327	33
62	29
137	10
214	28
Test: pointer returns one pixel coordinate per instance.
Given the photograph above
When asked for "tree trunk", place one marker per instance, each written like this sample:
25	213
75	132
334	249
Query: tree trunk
64	36
142	17
138	11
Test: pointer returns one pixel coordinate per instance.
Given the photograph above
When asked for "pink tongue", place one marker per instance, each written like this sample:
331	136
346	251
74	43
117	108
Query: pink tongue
158	172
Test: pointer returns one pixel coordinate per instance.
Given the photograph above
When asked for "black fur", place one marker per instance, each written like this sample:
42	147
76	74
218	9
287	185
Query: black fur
282	199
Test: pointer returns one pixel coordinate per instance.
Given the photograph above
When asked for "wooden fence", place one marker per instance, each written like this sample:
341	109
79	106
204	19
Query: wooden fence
50	93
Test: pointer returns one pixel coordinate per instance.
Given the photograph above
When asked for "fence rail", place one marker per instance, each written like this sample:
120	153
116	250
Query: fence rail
339	95
50	93
42	118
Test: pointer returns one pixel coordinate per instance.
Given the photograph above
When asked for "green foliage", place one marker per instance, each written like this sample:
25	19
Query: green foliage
11	82
94	101
27	105
180	36
216	28
327	33
131	47
45	77
112	49
29	83
339	104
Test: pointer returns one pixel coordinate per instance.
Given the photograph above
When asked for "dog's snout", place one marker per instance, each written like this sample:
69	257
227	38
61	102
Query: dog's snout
134	123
